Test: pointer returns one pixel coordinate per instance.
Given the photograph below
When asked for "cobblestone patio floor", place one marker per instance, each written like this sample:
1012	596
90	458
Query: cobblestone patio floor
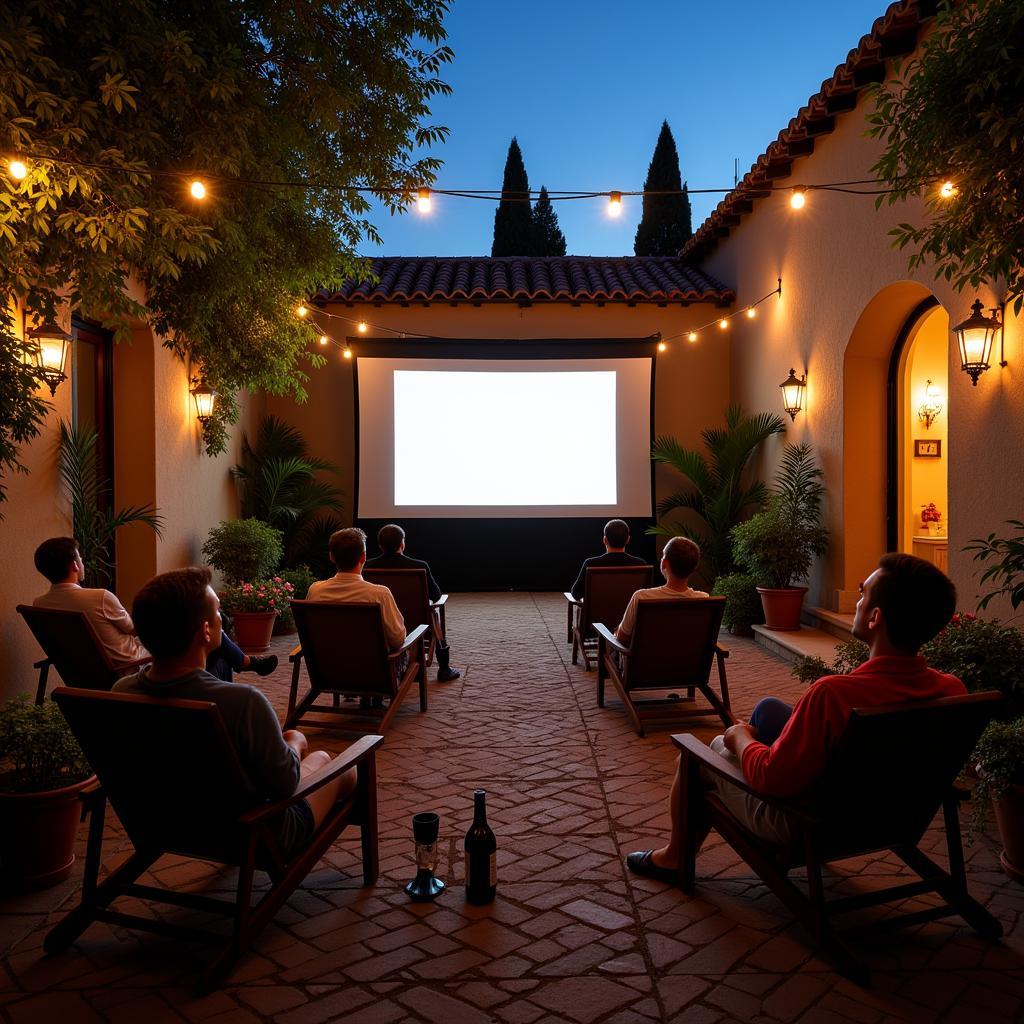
572	936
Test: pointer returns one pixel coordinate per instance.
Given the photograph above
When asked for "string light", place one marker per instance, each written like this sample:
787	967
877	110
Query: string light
614	204
798	198
361	327
18	169
348	352
423	200
692	337
662	346
751	312
324	339
947	190
301	312
198	189
723	324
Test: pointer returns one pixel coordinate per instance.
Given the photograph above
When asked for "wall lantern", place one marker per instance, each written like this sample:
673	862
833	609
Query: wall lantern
793	390
974	337
47	348
205	398
929	411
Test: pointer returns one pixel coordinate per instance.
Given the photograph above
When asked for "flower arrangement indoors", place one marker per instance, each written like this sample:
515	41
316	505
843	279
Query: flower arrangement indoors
931	519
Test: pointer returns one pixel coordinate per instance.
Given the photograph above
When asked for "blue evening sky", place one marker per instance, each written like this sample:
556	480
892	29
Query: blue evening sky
585	84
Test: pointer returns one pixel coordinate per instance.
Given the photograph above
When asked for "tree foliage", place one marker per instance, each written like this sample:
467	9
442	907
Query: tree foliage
666	224
956	112
111	103
548	239
513	219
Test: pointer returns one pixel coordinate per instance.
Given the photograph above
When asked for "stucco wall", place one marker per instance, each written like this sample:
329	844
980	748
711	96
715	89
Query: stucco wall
846	292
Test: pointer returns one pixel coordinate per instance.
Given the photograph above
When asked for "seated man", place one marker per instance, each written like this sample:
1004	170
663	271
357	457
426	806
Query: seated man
903	604
391	541
60	561
678	560
178	618
616	537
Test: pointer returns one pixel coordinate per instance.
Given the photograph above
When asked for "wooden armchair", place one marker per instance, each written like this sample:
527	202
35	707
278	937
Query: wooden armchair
891	771
409	589
606	592
346	655
73	649
673	646
173	778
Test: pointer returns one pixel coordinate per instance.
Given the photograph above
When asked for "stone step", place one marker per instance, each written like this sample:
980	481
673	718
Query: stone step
791	645
838	624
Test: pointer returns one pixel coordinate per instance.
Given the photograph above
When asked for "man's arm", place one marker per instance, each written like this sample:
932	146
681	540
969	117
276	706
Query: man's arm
394	624
270	759
433	590
624	630
115	613
577	588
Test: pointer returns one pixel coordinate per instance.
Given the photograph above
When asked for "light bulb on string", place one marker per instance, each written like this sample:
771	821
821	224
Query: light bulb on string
347	353
18	169
662	346
301	311
947	190
692	337
751	312
362	327
324	339
614	204
423	200
723	324
197	189
798	198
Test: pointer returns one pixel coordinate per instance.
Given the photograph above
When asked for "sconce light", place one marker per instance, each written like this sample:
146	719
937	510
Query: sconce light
928	412
205	398
793	390
974	336
47	347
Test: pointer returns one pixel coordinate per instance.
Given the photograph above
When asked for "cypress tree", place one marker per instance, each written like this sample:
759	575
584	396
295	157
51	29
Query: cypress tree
665	225
513	221
548	238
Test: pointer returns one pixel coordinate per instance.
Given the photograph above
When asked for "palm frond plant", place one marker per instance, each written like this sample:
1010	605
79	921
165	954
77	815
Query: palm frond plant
721	493
279	484
94	526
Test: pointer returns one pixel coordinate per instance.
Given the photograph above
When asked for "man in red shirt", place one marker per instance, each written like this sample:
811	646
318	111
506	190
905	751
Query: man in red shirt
904	603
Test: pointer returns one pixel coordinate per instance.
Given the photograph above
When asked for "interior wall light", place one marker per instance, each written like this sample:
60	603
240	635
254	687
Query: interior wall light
794	389
46	347
974	337
928	411
205	398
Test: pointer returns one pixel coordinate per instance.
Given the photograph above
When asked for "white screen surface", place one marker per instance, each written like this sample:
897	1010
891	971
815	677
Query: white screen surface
496	438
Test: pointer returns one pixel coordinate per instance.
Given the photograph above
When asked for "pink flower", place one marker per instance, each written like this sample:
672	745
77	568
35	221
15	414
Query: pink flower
277	579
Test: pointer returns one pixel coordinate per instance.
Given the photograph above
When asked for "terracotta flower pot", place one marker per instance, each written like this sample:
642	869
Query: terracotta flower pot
37	835
782	607
1010	818
253	630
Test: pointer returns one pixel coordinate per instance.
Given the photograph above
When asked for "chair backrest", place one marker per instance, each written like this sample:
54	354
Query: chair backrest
168	768
344	647
607	590
70	642
888	774
409	589
673	642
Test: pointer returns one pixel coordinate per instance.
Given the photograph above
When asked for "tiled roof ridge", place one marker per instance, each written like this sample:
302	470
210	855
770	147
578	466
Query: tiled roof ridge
894	34
532	278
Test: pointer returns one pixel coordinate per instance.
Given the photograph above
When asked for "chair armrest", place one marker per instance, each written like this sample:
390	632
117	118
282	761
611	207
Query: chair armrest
410	640
570	598
43	663
440	602
362	750
137	663
296	655
609	638
722	652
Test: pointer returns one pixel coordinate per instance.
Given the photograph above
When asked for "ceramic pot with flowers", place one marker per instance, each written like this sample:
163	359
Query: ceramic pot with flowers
254	606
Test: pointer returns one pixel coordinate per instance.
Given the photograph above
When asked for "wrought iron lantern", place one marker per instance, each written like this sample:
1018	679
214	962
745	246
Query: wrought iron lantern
974	336
205	398
47	348
794	389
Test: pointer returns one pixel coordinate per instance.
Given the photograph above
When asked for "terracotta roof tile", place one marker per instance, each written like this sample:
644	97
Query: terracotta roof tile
893	34
534	278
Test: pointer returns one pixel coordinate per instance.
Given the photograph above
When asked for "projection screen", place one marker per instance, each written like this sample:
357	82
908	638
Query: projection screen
497	438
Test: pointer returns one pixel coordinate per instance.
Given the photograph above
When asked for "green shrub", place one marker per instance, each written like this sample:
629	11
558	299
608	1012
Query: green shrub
849	655
742	602
243	549
301	578
999	757
38	751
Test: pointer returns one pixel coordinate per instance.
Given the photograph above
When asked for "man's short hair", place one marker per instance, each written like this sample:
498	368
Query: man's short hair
55	556
616	532
916	598
390	538
347	547
682	556
169	610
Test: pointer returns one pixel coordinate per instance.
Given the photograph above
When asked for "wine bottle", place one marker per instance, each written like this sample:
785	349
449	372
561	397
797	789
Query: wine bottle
481	858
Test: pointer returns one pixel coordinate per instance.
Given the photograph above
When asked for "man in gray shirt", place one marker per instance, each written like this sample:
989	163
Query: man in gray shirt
177	617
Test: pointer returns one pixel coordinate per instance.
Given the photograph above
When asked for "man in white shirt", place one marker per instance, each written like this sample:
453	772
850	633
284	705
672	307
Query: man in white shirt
60	561
678	561
348	553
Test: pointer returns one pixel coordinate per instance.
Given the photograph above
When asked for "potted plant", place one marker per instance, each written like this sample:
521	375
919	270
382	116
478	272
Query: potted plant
301	578
42	772
999	762
254	606
243	549
742	602
931	519
778	545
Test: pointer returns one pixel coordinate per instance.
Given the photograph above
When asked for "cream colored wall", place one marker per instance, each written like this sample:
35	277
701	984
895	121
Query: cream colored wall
691	380
840	277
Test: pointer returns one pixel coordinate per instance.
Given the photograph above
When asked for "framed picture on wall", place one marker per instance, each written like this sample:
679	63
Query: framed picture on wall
927	448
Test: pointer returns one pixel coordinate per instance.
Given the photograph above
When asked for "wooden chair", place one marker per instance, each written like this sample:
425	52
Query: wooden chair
889	774
673	645
173	778
71	646
409	589
346	655
606	592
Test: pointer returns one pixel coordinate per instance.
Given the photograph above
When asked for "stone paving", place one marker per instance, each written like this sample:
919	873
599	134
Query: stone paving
572	936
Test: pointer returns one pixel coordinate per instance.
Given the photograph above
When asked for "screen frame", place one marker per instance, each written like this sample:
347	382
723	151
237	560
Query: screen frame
510	349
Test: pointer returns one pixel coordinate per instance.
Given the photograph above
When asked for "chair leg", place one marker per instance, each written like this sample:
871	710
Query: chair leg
723	682
44	672
577	643
568	627
293	693
423	677
366	788
691	798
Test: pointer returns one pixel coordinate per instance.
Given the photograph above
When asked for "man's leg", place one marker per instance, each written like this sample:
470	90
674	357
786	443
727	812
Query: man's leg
769	718
229	658
322	800
445	673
